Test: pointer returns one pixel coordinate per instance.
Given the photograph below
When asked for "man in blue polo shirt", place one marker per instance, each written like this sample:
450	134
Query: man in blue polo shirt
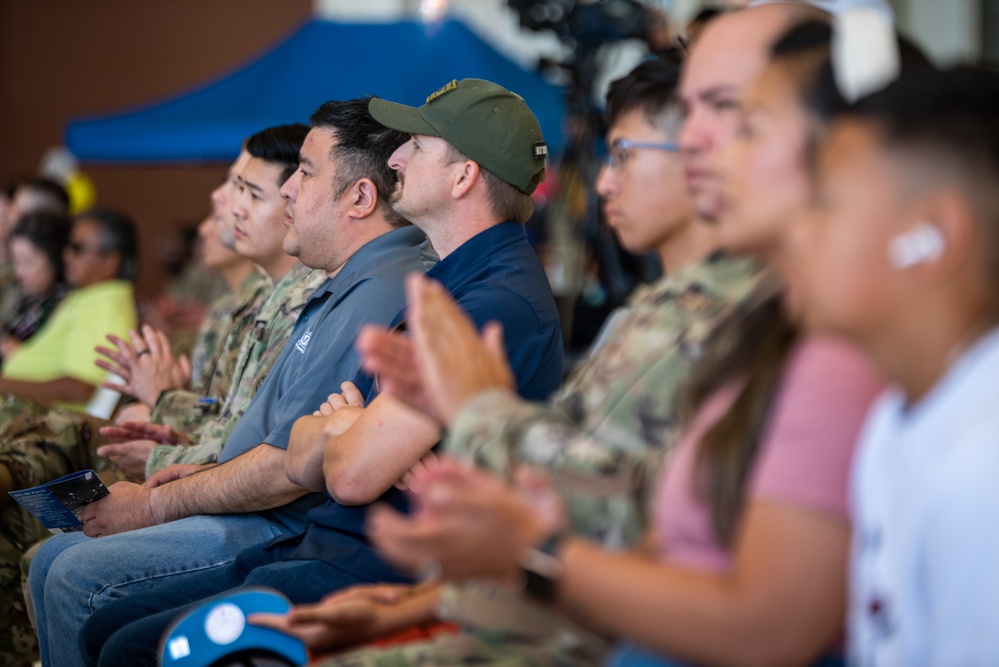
470	194
340	221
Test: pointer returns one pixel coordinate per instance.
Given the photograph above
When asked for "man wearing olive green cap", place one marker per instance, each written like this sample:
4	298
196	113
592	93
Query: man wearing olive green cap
465	176
483	122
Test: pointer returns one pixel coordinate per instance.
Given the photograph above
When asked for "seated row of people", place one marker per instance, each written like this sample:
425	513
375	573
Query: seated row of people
686	492
339	222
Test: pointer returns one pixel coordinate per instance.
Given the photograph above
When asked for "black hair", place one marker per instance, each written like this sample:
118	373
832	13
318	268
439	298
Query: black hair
952	117
118	235
54	196
279	145
818	90
363	148
46	231
650	87
807	46
707	14
11	186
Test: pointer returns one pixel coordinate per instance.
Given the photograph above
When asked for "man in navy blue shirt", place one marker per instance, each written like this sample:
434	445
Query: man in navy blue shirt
465	178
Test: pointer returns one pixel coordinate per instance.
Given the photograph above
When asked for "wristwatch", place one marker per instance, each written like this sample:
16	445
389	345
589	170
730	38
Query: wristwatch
542	569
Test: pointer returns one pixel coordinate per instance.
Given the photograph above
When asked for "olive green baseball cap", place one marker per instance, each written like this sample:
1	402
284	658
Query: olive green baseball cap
484	121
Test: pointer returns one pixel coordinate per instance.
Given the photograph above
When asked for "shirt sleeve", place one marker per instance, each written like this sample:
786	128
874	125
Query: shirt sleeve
819	409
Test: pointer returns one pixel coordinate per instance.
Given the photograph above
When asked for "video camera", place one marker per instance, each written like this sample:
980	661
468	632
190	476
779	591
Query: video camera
584	27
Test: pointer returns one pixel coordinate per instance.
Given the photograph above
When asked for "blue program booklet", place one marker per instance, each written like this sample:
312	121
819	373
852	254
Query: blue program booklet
57	504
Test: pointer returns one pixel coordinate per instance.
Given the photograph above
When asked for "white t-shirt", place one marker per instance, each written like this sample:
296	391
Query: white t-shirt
924	581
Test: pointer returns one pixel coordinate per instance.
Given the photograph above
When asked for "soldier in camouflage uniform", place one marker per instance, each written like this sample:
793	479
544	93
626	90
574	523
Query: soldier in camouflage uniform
211	374
260	326
214	358
604	436
258	350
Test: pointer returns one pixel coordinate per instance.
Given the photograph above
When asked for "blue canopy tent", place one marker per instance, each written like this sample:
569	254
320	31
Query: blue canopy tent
403	62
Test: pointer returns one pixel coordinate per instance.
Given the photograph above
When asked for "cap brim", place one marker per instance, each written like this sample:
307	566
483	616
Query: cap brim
400	117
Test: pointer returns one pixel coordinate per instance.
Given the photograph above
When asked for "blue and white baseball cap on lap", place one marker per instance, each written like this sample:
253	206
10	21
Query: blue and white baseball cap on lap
216	634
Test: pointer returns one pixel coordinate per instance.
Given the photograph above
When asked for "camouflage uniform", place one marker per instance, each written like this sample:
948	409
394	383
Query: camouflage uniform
10	291
214	358
602	439
37	445
194	288
214	330
258	351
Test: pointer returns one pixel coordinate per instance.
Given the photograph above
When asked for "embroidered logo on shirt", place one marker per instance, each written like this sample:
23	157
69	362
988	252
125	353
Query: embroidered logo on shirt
303	342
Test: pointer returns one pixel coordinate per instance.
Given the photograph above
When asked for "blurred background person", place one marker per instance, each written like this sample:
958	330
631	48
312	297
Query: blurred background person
190	289
36	245
26	196
57	364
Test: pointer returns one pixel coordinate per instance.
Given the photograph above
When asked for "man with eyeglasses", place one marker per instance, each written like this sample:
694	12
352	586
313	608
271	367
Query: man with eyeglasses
604	435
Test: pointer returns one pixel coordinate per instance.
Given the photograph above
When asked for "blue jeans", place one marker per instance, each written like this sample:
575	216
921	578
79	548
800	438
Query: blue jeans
73	575
127	632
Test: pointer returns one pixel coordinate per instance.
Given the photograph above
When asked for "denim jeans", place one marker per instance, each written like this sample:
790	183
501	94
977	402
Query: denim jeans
73	575
127	632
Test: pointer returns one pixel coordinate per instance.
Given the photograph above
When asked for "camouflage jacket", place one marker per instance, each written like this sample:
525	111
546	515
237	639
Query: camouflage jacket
260	348
602	438
37	445
10	291
214	357
215	329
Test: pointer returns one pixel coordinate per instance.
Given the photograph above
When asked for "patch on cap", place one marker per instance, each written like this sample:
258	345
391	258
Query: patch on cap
443	91
540	150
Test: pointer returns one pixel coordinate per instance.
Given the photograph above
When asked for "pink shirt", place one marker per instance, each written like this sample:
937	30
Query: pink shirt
804	457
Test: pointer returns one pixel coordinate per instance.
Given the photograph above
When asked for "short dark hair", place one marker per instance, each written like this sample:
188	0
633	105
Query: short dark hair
280	145
118	235
46	231
363	149
707	14
54	197
806	47
812	40
649	88
506	202
948	117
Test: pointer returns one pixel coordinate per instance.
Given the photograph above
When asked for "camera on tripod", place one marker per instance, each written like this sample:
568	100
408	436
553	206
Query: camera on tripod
584	27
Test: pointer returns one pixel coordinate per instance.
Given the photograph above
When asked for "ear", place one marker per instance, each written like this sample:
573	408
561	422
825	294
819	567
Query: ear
465	179
363	198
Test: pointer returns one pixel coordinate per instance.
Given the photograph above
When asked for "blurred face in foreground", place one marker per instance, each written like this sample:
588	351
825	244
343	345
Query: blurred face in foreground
765	183
845	277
